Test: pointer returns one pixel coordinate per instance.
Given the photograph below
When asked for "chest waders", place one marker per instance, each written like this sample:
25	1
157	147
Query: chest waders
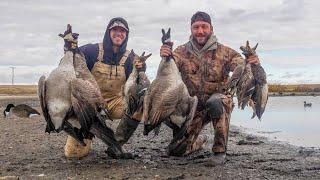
111	80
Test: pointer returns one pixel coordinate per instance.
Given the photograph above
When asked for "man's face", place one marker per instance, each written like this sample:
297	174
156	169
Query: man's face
201	32
118	35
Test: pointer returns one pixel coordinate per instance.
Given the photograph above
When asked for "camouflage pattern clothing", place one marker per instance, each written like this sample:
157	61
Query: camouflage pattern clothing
205	73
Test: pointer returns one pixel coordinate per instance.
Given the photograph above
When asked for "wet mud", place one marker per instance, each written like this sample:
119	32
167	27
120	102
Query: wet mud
29	153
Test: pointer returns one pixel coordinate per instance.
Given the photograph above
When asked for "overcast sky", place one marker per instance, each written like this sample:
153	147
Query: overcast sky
288	32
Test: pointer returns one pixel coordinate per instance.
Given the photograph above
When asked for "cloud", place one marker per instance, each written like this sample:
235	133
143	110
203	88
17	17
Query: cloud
29	30
289	75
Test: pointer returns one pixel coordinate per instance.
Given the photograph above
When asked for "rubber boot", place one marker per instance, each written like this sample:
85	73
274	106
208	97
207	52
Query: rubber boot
124	131
73	149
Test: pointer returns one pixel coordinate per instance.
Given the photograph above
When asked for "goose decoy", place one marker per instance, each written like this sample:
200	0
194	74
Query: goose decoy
136	86
71	100
305	104
21	110
167	99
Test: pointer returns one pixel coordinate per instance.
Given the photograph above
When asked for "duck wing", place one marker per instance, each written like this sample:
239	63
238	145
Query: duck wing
136	95
245	87
43	103
260	96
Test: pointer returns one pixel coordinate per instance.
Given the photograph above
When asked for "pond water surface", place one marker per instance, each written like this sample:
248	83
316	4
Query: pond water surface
285	119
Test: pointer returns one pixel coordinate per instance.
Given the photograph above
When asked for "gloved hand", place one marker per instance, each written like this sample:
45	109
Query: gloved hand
138	64
166	50
253	59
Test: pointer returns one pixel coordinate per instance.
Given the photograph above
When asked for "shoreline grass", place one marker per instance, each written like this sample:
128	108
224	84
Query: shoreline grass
273	88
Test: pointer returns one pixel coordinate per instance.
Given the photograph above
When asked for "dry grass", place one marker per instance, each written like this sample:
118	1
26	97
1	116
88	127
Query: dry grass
294	88
18	89
32	89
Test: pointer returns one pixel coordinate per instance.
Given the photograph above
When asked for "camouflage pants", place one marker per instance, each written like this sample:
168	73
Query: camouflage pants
191	142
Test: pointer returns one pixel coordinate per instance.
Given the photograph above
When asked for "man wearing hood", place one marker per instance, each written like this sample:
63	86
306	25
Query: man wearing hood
205	65
111	65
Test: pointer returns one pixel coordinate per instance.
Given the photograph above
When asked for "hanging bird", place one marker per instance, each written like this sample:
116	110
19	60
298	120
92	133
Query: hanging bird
167	98
21	110
136	85
71	100
249	83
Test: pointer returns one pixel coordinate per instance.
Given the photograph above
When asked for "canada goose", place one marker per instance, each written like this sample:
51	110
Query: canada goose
136	86
21	110
250	83
307	104
71	99
167	98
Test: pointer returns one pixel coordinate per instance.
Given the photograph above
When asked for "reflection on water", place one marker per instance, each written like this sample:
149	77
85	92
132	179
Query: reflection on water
285	119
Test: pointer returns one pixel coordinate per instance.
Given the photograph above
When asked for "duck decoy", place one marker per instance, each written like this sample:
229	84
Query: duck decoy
305	104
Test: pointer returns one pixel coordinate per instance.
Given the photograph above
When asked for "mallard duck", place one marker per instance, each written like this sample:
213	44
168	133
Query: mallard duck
21	110
250	84
167	98
136	86
70	97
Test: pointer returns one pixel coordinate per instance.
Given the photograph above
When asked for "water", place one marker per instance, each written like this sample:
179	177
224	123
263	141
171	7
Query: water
285	119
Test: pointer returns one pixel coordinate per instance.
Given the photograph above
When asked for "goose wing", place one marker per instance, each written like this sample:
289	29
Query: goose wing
43	103
87	102
167	106
27	109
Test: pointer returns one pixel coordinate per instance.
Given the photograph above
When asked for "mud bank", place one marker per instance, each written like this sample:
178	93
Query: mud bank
28	153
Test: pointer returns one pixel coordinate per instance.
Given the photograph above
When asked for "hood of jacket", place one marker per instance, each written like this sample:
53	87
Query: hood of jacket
110	56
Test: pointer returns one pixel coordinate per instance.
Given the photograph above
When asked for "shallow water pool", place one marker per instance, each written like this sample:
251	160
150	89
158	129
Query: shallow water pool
285	119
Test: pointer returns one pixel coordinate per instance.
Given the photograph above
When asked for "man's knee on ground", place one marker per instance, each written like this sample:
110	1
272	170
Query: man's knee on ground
214	106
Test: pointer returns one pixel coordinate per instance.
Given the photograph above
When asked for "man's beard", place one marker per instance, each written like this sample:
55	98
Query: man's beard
201	42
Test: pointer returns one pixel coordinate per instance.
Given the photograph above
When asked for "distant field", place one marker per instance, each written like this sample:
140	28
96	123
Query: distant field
18	89
294	88
32	89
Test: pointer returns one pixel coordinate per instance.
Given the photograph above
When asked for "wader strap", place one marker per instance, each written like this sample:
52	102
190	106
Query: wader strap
124	58
100	53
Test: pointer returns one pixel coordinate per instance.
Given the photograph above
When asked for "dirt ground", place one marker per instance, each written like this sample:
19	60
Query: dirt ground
28	153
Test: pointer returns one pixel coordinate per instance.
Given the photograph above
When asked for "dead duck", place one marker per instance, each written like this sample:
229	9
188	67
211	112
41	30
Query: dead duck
167	98
21	110
250	84
71	100
136	86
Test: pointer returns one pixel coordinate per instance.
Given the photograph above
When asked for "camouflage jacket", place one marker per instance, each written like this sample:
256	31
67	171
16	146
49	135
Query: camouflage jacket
206	72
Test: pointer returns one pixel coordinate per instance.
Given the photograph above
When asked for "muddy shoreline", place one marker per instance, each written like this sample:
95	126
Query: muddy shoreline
28	153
